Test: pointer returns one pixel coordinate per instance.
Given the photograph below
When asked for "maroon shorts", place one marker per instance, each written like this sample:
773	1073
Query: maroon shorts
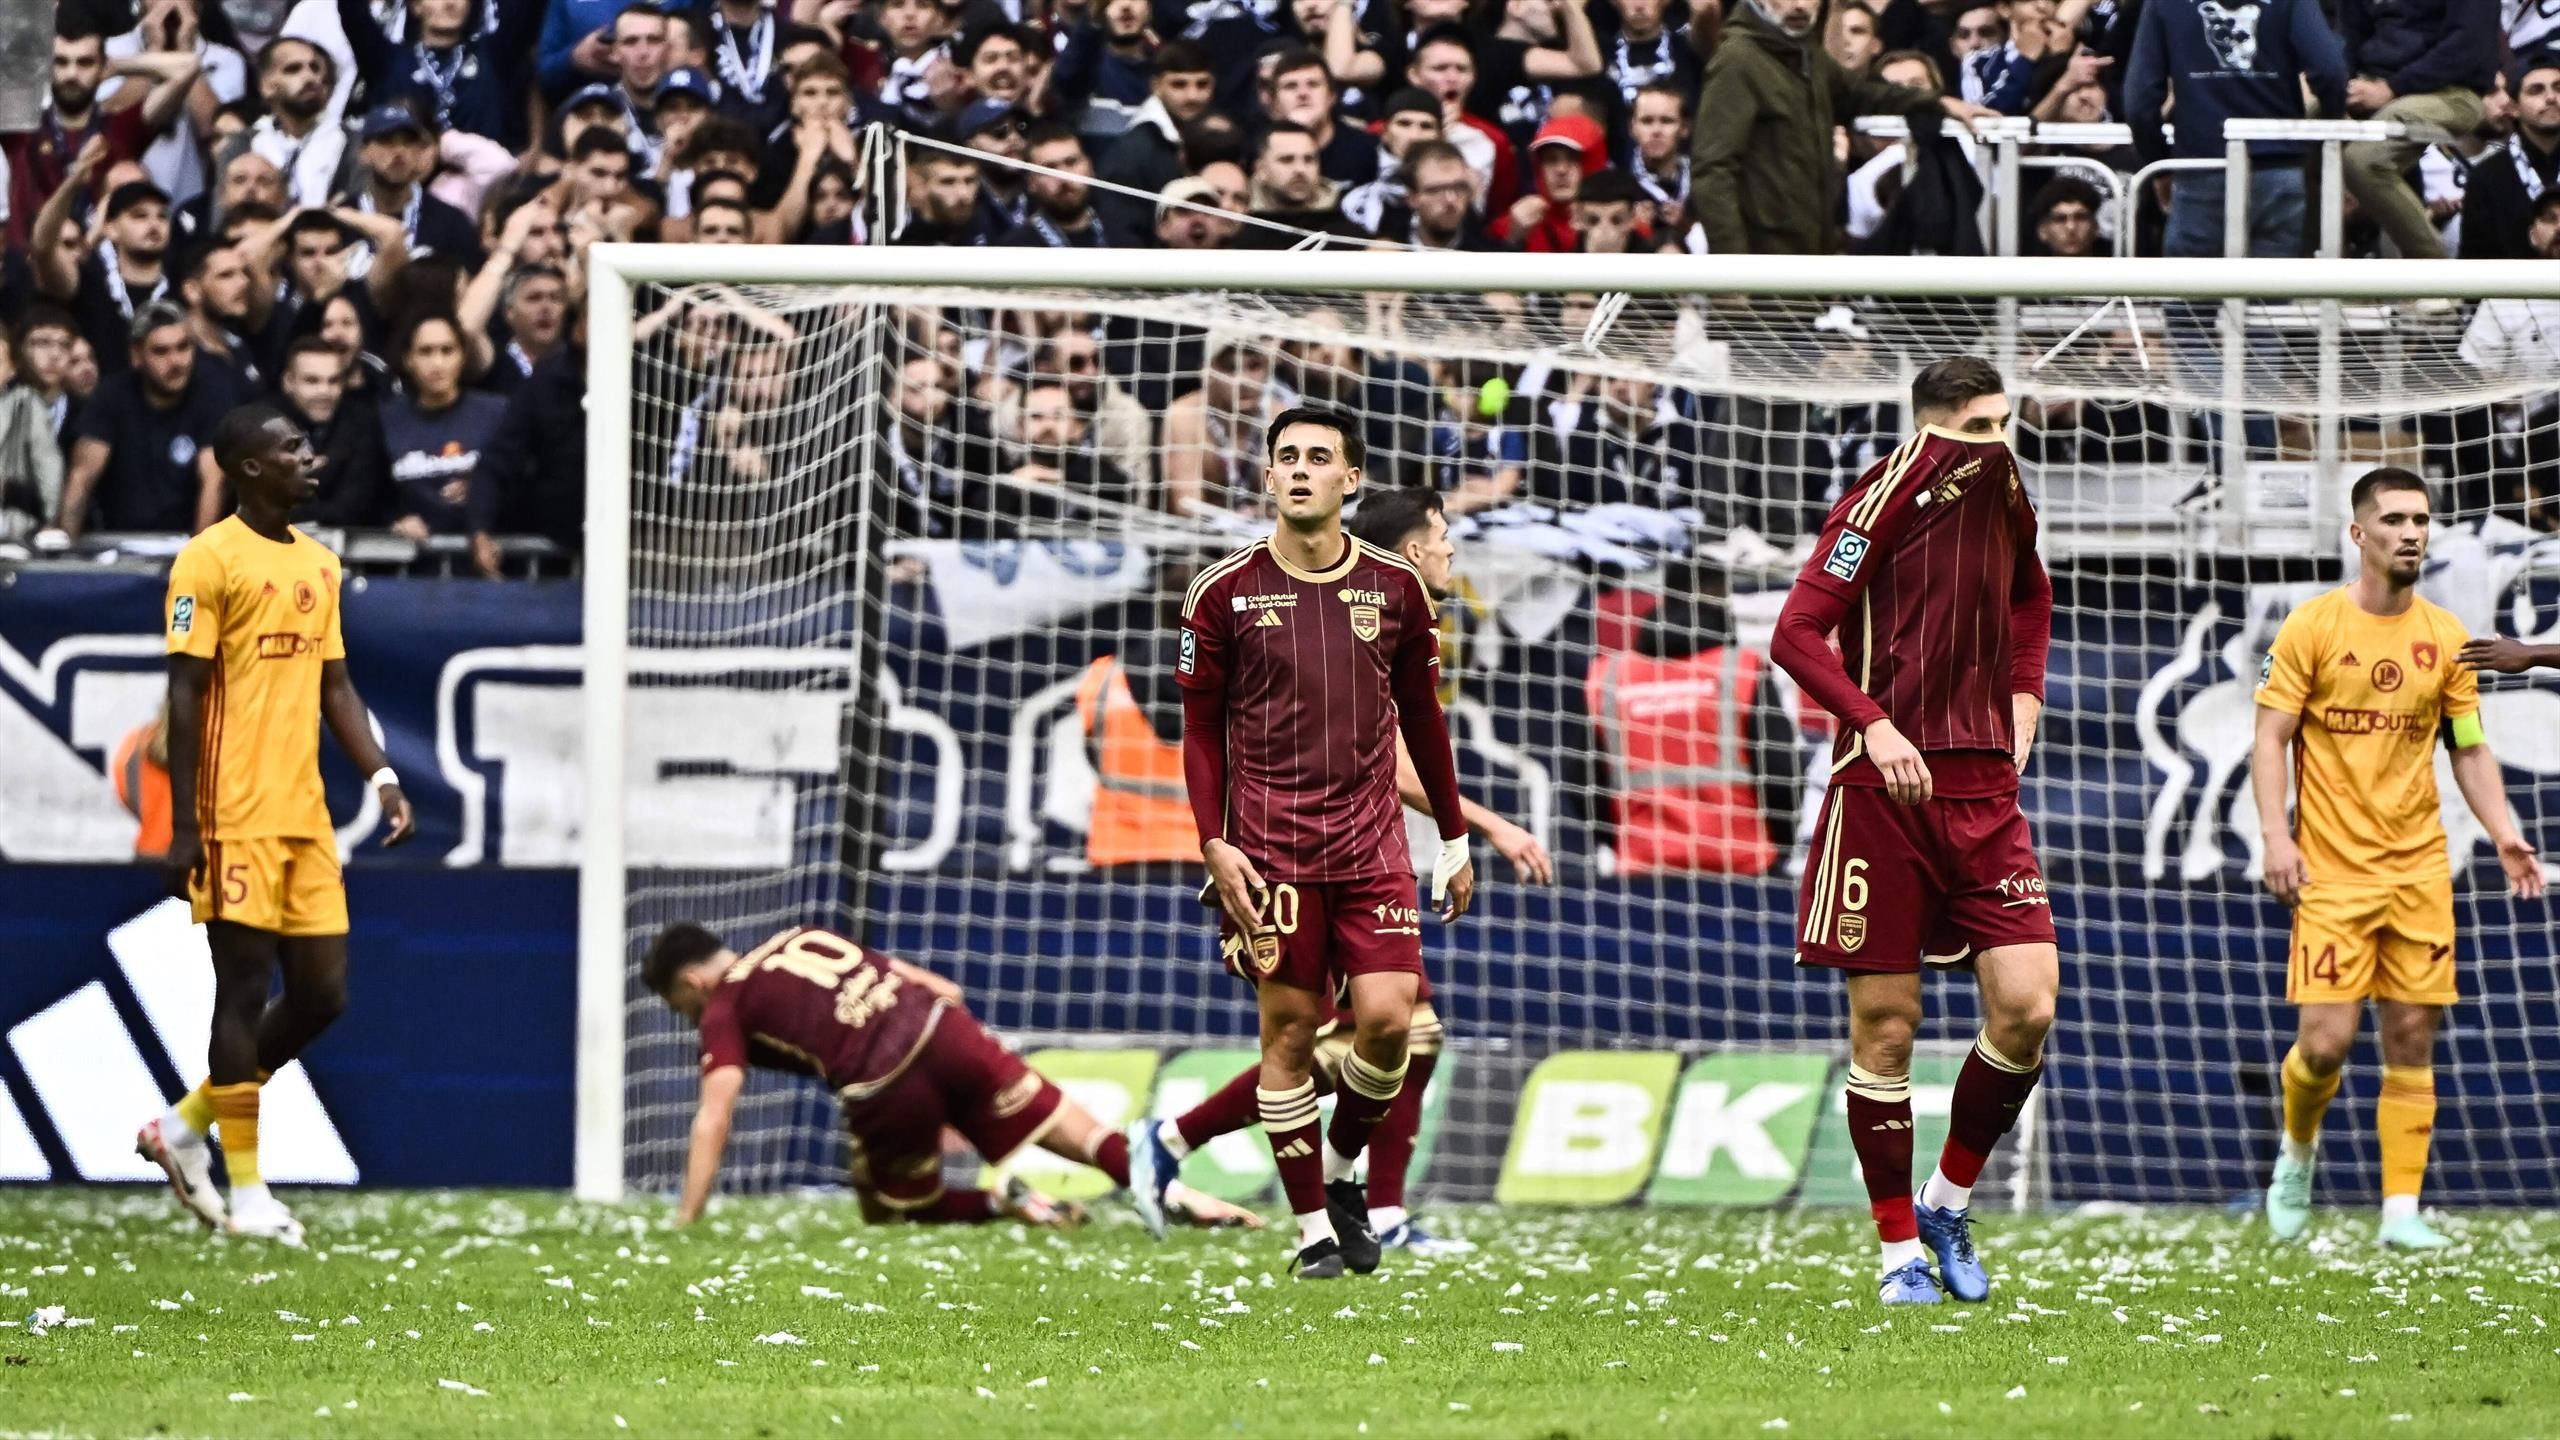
959	1077
1316	934
1891	886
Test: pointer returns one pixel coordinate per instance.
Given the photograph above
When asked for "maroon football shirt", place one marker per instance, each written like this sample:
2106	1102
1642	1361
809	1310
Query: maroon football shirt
817	1004
1311	664
1927	568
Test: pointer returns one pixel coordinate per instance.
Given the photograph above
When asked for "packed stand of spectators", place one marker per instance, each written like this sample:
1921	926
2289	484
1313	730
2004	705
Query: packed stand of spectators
380	215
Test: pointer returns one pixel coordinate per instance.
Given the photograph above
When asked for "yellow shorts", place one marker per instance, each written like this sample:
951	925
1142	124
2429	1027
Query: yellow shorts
2358	942
284	886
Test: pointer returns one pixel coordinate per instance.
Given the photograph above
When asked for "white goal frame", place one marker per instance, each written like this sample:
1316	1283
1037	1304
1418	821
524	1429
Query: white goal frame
614	270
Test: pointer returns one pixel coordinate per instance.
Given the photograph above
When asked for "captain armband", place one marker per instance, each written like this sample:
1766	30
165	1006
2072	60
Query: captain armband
2468	731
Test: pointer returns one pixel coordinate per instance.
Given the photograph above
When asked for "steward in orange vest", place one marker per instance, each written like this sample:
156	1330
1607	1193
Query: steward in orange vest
140	771
1141	810
1702	757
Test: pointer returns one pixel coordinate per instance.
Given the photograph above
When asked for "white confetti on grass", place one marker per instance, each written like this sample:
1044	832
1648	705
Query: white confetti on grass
239	1397
2016	1392
780	1337
1508	1347
461	1386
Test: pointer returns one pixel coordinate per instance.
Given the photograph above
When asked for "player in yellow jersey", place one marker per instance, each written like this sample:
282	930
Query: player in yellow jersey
2356	689
256	662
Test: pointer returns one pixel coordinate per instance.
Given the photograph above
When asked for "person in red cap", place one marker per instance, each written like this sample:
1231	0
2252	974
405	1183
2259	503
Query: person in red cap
1565	149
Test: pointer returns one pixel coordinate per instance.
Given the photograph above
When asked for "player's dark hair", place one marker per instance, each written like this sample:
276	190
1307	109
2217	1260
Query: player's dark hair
1389	518
1335	420
677	949
2388	477
1955	382
238	435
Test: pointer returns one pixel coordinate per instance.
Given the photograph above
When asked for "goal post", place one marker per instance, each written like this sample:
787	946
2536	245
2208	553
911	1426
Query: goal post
819	689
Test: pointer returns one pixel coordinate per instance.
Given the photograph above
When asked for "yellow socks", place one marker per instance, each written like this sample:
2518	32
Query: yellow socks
2306	1099
2406	1121
197	1109
235	1109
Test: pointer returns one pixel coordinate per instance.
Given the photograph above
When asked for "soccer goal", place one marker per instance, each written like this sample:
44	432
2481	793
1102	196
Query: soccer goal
883	545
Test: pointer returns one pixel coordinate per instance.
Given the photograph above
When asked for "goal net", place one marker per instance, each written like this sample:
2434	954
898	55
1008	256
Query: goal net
885	547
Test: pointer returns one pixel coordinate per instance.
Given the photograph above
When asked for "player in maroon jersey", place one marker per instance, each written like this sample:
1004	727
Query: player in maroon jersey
904	1059
1927	568
1410	523
1302	657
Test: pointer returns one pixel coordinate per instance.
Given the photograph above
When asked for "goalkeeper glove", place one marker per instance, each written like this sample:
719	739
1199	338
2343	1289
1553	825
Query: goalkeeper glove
1453	858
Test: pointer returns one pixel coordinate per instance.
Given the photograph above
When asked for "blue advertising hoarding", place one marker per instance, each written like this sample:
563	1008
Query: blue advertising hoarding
456	1063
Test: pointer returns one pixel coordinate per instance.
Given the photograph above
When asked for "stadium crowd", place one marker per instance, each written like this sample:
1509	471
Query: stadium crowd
379	215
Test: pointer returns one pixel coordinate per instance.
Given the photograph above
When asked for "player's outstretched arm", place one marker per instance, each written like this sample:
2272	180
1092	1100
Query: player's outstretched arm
2484	789
2270	770
190	680
1529	859
720	1090
2497	652
348	720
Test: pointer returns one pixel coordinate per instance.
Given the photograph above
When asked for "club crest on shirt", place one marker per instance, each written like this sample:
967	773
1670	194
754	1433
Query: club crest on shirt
1847	553
1364	621
1852	930
2423	654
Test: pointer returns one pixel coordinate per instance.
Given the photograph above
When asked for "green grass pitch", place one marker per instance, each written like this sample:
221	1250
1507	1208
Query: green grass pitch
524	1314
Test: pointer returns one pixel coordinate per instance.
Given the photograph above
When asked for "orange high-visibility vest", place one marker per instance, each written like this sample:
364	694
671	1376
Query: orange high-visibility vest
144	789
1141	807
1673	731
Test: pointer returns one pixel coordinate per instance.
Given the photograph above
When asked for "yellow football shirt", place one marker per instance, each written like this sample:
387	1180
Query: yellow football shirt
266	614
2372	691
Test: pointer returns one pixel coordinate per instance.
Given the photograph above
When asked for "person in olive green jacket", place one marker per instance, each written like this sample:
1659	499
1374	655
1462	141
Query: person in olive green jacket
1765	179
